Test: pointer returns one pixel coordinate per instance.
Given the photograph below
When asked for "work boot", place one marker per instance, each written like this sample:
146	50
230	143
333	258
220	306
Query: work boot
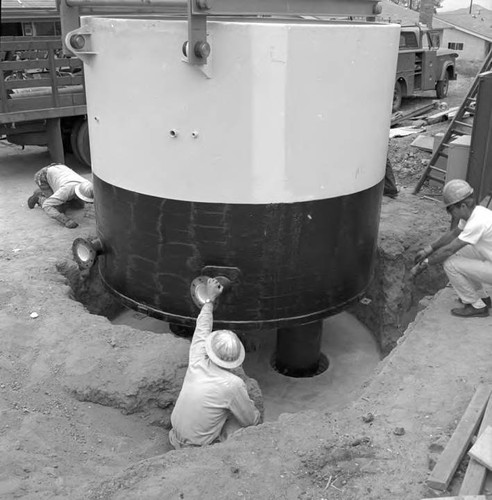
468	311
486	300
33	200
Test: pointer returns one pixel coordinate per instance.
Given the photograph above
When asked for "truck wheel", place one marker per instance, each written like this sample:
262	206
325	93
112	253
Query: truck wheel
397	97
73	140
83	145
442	87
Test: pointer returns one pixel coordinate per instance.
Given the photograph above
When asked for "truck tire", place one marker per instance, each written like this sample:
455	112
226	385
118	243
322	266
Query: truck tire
73	140
83	145
442	87
79	140
397	97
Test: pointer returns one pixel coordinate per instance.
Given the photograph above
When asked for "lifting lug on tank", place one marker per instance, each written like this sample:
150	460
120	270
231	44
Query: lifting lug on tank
85	251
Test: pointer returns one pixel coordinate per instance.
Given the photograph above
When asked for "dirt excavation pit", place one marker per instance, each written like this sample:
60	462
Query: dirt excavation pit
99	393
350	352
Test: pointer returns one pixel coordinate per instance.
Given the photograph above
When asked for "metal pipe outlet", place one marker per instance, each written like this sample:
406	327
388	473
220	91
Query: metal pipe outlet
299	350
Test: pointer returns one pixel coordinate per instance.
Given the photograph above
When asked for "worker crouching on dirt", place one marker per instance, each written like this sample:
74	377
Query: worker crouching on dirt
213	402
465	250
60	186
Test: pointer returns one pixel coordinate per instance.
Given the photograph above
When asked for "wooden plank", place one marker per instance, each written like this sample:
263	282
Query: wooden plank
424	142
44	102
23	64
450	458
29	43
54	88
43	114
481	451
61	81
476	473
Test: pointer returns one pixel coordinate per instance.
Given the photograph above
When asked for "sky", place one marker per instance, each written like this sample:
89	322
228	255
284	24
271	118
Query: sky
463	4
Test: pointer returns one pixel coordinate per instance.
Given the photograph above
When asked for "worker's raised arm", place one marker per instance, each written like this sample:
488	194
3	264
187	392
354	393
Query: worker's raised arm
204	322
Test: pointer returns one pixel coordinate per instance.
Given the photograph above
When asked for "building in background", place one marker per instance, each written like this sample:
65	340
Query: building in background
469	34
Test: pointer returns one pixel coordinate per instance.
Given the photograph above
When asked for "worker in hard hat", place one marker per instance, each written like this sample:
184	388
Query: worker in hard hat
58	187
465	250
213	402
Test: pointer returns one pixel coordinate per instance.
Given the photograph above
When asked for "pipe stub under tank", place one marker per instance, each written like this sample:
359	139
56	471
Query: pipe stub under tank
298	351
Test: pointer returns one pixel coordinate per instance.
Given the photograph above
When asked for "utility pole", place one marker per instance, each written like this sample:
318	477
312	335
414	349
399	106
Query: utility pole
426	12
471	4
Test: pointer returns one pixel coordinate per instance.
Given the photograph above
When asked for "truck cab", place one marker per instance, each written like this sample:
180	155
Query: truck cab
422	65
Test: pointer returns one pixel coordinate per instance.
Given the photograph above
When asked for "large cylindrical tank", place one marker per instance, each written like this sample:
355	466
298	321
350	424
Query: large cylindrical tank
269	160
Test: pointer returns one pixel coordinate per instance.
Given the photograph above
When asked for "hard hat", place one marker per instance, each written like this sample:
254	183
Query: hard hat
455	191
85	191
224	348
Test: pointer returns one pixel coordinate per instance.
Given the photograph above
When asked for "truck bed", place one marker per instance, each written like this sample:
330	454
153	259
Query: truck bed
37	81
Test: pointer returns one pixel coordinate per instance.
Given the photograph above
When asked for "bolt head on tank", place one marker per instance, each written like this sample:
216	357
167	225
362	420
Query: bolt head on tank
77	41
202	50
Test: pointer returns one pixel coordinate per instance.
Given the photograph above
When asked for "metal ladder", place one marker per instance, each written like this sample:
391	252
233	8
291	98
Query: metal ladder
456	127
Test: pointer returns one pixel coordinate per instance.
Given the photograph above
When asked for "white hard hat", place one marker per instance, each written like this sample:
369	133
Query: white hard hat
455	191
224	348
85	191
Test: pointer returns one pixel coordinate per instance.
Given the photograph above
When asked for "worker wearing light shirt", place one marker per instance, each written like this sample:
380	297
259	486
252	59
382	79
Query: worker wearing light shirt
465	250
213	402
58	185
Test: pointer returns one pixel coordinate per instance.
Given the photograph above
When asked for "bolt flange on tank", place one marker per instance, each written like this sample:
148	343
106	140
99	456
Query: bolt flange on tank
85	251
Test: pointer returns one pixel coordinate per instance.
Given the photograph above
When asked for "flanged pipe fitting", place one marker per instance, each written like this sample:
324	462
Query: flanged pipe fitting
198	288
85	251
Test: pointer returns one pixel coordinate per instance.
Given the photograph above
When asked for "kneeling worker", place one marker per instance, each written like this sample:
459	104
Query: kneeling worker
465	250
213	402
59	185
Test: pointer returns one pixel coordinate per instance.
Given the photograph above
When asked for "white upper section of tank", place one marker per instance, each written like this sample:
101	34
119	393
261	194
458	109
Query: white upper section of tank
283	112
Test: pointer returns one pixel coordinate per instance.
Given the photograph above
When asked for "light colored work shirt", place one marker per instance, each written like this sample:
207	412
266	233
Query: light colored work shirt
209	394
62	181
477	231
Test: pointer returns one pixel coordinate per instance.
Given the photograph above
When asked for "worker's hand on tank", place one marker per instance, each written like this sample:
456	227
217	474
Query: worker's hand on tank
214	288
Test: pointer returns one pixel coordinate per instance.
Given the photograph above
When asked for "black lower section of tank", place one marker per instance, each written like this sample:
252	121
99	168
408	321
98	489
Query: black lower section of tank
298	262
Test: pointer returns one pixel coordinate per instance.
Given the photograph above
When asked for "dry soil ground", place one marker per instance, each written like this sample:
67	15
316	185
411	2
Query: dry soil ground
83	403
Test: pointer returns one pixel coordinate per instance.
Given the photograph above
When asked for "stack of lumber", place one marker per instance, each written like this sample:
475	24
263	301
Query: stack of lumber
478	416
